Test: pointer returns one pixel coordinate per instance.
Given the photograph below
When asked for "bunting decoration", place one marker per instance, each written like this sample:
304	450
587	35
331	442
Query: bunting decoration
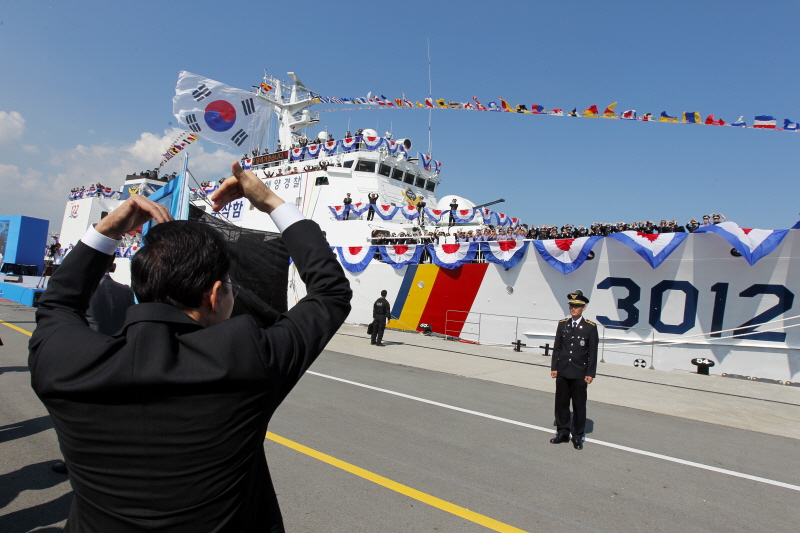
410	212
504	253
566	255
91	192
386	212
452	256
355	258
434	214
400	255
653	248
753	244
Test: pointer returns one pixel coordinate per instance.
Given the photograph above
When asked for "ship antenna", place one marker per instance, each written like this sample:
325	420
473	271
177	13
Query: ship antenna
430	95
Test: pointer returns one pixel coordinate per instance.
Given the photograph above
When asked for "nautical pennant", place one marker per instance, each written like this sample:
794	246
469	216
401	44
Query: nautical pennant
753	244
505	253
652	248
566	255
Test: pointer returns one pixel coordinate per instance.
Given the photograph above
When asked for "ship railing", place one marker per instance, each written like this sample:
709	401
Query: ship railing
506	330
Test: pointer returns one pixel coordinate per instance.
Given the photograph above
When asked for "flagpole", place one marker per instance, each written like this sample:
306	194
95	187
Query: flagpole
430	95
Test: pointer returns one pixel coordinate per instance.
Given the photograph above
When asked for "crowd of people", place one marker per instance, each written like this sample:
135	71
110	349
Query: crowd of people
538	233
97	185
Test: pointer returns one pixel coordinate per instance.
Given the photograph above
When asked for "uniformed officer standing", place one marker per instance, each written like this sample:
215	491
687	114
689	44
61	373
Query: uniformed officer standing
380	317
573	365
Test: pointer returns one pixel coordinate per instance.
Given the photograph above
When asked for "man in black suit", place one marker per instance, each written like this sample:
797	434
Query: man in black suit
573	366
109	304
381	313
162	425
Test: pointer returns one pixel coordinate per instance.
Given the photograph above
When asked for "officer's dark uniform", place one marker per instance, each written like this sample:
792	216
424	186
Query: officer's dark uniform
347	201
380	314
574	358
373	197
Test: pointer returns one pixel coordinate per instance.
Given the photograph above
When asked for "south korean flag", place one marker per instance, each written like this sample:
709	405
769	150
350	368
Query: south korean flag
219	113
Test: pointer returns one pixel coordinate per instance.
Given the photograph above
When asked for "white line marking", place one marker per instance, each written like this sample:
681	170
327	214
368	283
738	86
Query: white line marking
550	430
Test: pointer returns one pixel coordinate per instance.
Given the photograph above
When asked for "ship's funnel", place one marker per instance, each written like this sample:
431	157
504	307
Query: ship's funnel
405	142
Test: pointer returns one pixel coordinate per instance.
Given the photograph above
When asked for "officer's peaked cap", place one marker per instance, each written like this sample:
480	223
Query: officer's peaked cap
577	298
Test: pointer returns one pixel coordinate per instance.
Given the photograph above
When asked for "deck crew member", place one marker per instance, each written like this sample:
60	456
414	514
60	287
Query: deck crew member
573	366
381	313
373	200
453	207
347	201
421	210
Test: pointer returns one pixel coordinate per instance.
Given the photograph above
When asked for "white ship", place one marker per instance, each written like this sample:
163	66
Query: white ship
702	302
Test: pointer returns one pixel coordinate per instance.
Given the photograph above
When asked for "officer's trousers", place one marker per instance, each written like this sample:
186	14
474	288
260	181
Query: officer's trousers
575	390
378	326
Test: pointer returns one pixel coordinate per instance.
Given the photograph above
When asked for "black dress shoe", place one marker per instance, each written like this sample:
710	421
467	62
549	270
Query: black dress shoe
380	344
559	438
60	467
577	444
372	343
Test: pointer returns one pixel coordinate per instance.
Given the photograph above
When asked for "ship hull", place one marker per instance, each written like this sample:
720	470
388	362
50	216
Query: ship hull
651	318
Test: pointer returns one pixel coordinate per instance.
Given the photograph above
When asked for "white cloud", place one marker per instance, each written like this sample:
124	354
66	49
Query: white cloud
42	192
30	148
12	126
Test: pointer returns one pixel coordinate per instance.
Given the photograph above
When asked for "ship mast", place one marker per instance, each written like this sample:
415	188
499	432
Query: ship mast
292	112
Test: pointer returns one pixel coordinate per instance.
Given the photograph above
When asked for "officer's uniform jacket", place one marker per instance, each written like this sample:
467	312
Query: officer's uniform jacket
575	349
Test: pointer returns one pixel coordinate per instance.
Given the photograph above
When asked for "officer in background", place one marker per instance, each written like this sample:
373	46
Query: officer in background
573	366
380	317
373	199
347	201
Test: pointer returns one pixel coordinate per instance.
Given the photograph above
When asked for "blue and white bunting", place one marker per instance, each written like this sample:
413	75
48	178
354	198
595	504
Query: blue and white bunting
652	248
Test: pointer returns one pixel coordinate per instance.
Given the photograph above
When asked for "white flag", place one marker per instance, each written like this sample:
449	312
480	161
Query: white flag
220	113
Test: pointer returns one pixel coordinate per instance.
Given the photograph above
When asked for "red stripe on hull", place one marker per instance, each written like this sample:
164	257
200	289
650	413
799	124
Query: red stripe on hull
454	290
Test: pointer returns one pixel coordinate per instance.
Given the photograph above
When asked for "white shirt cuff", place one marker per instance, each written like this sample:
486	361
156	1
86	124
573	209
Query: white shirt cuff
285	215
101	243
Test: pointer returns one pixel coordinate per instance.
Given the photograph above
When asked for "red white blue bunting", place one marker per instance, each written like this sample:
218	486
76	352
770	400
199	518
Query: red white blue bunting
410	212
386	212
400	255
349	143
396	148
453	255
797	225
105	192
355	258
753	244
355	210
330	147
463	216
436	214
372	143
297	153
566	255
652	248
126	252
505	253
313	149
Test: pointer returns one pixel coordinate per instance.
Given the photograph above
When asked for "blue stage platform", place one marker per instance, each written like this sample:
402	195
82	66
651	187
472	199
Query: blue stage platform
24	293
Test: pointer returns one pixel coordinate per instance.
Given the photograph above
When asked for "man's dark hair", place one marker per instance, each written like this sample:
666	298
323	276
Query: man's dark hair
180	260
383	294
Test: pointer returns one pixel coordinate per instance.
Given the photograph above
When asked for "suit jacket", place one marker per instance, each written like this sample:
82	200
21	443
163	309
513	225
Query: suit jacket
109	305
162	425
575	349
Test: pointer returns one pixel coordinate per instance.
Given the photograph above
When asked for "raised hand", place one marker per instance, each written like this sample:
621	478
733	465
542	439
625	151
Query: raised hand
245	184
134	212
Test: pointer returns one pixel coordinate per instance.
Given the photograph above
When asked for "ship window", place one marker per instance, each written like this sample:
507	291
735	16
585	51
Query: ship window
398	174
430	186
348	164
409	178
384	170
420	181
365	166
321	180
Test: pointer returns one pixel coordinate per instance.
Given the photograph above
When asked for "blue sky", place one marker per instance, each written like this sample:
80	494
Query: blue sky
87	88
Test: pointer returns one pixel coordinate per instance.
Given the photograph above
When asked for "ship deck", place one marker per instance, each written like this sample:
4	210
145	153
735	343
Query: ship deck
434	435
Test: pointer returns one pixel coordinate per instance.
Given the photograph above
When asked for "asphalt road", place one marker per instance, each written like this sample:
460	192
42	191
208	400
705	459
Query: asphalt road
501	471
